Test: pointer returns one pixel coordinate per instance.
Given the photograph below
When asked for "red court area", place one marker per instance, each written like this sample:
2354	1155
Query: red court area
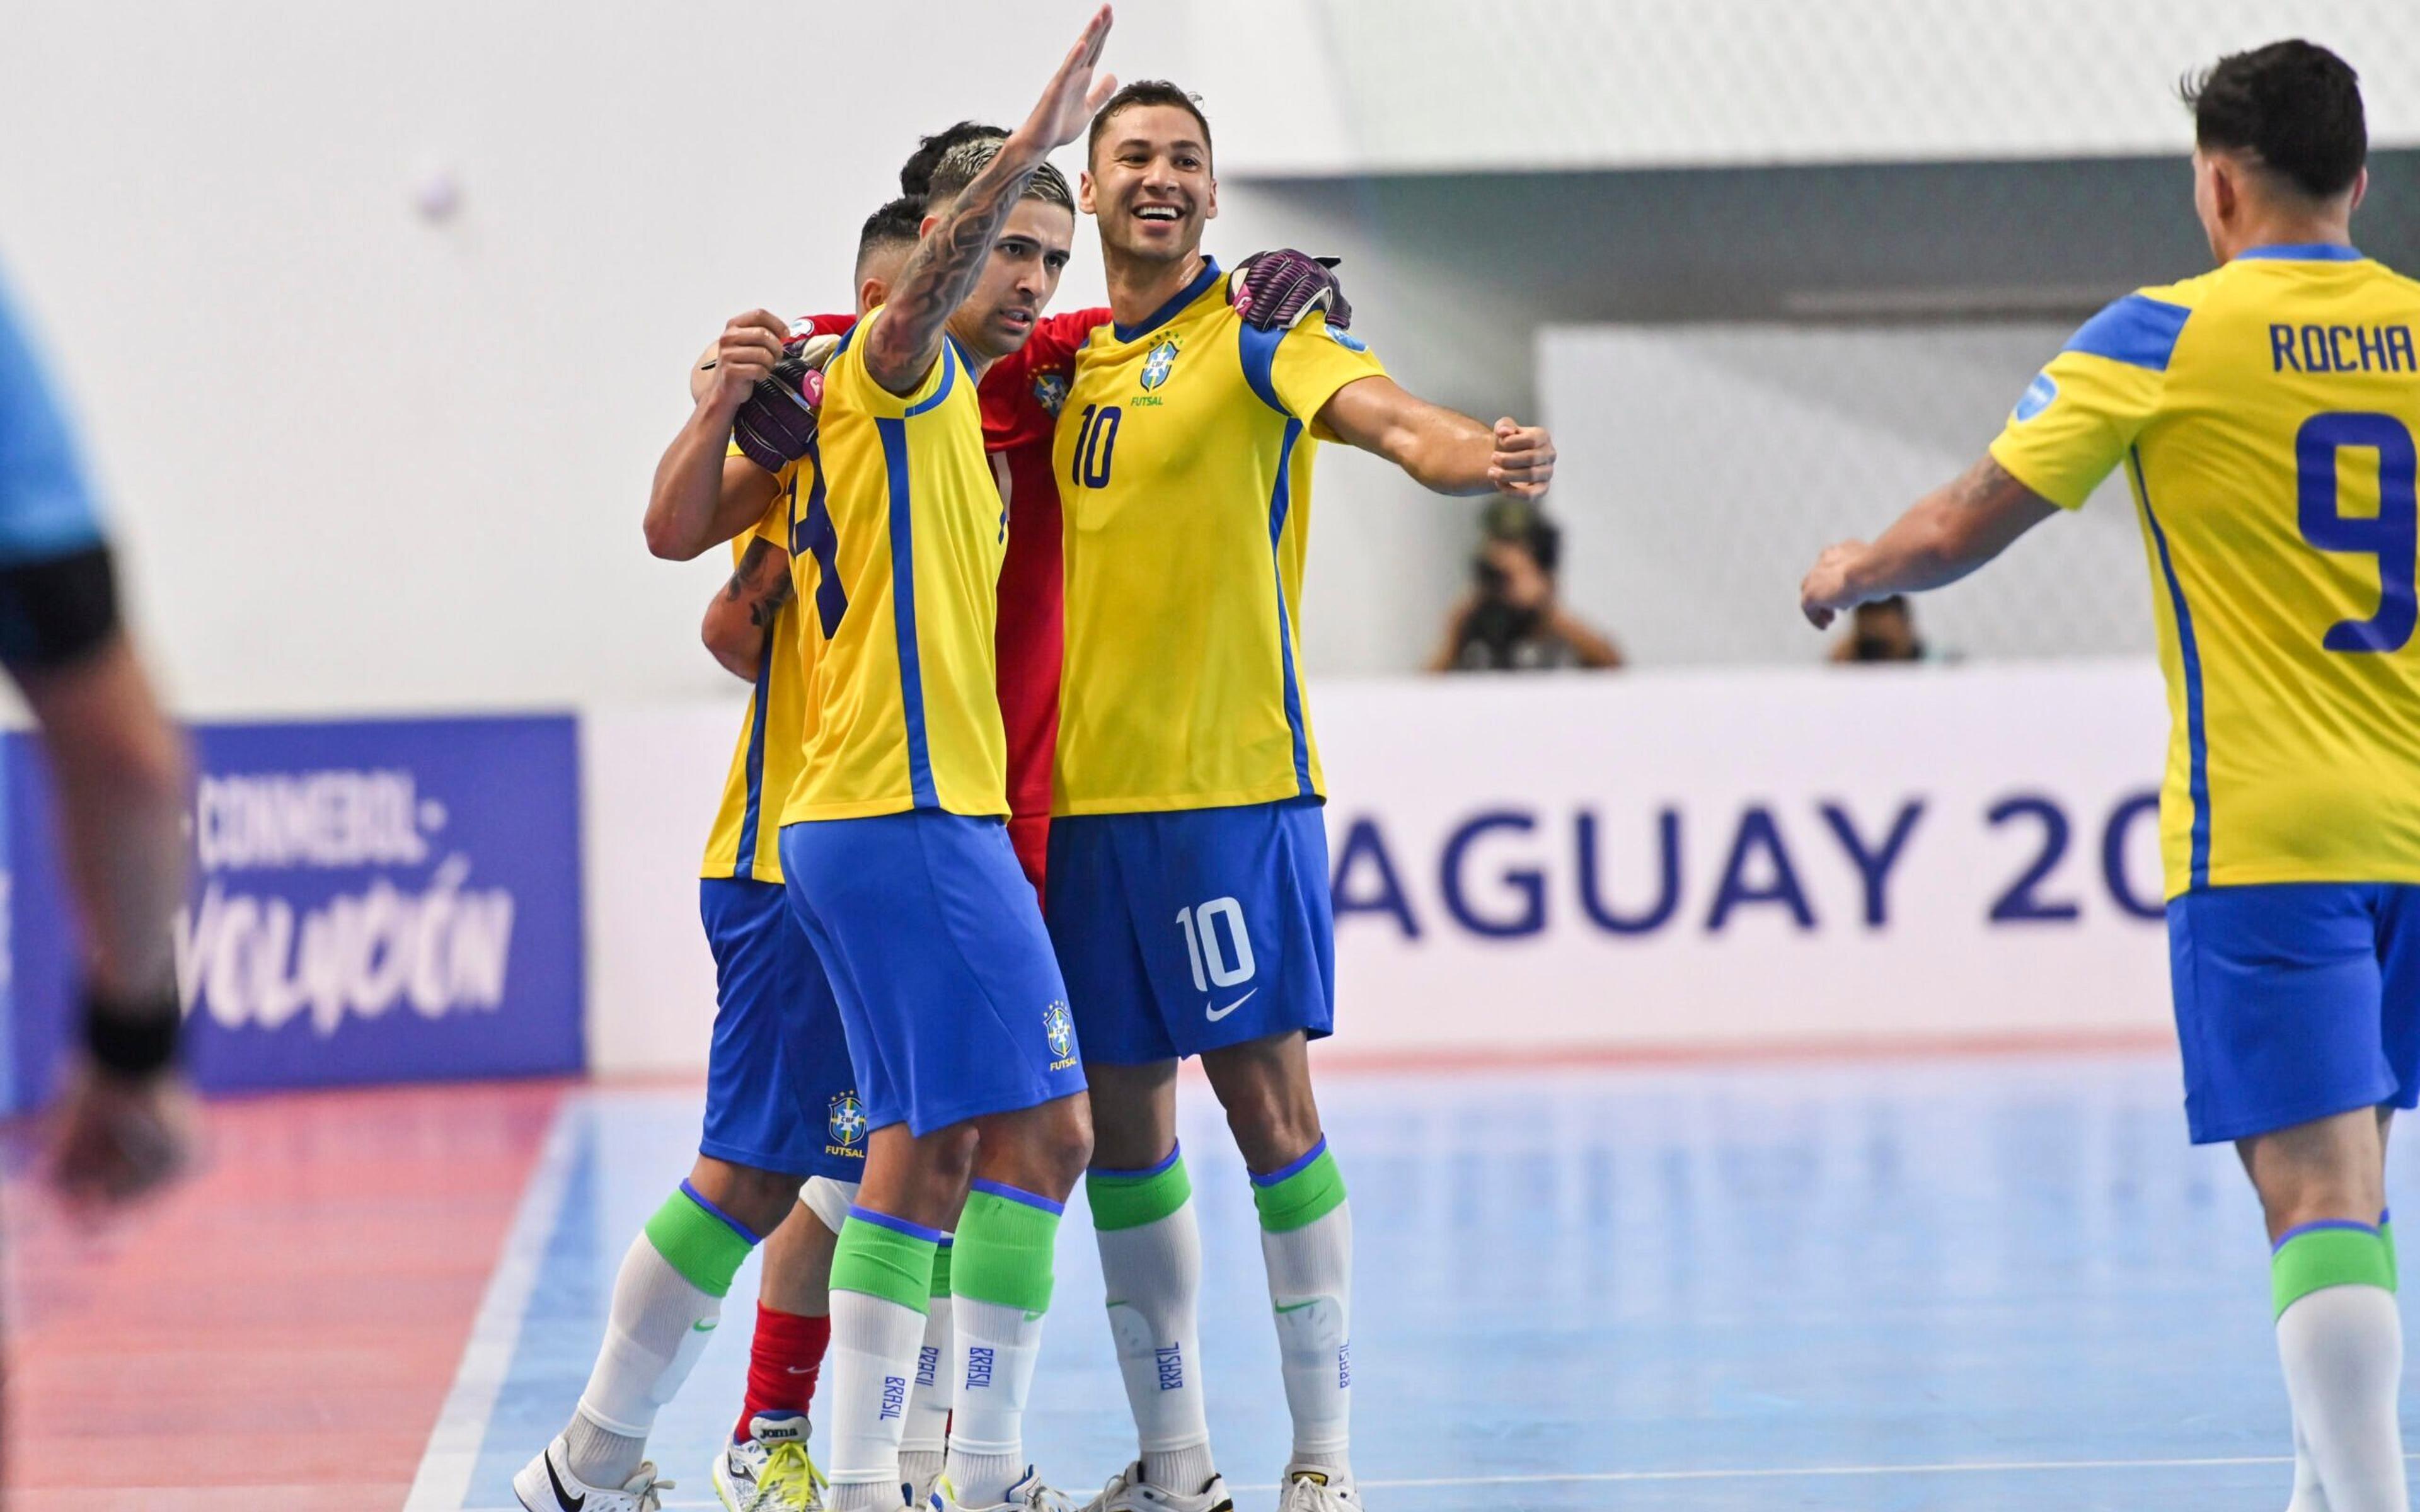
279	1332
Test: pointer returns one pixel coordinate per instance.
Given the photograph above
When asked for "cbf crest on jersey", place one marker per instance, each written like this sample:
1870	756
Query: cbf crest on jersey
1156	364
1060	1029
847	1122
1050	391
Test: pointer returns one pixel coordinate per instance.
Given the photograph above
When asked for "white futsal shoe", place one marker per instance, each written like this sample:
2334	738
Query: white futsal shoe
1310	1488
1128	1491
1028	1495
545	1486
769	1471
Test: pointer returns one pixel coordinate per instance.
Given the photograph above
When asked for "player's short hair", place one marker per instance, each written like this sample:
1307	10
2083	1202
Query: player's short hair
899	223
2294	105
1147	92
916	174
964	164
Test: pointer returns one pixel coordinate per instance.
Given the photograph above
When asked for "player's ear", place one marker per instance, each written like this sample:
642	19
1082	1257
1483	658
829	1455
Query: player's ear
871	292
1084	191
924	227
2360	189
1210	207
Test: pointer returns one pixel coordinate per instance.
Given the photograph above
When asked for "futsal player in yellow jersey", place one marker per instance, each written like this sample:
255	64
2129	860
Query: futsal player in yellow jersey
895	842
780	1105
1188	880
2264	416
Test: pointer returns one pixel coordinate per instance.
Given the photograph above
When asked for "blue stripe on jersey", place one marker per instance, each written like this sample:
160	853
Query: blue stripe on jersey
902	610
1279	501
1259	351
2189	654
743	861
949	378
2138	331
812	536
1175	306
2313	252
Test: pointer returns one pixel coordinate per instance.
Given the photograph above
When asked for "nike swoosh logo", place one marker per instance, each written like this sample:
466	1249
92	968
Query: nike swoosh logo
800	1369
1216	1013
570	1502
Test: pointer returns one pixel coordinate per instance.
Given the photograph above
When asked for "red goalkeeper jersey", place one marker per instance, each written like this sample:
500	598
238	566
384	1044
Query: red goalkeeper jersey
1021	398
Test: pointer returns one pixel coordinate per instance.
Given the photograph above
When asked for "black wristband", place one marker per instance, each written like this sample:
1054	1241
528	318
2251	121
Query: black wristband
130	1040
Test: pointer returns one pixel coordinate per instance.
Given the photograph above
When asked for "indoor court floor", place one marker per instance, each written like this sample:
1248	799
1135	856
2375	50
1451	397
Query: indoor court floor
1997	1282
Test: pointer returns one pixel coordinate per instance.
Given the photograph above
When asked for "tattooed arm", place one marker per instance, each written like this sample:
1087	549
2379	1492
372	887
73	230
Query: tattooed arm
903	346
1947	535
739	621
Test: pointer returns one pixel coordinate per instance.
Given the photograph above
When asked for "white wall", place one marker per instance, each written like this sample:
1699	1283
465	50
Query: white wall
1424	85
1488	946
1707	465
366	462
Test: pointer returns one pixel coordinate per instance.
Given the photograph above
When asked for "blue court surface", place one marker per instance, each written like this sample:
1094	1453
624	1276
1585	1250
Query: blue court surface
1954	1284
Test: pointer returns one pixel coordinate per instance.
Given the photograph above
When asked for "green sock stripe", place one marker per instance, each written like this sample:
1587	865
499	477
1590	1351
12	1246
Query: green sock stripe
2386	1237
2319	1256
1121	1200
701	1246
876	1261
941	1269
1301	1199
1004	1252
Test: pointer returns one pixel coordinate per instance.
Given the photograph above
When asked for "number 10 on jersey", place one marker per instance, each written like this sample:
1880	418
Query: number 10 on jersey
1096	438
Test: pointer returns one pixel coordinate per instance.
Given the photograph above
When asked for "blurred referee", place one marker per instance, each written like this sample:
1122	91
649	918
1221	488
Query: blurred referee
119	768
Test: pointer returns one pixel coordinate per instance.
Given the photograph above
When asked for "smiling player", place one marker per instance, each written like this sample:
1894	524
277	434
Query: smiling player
1189	868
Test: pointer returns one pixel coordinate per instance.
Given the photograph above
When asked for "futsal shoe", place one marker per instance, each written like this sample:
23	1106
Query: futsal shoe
1128	1491
769	1470
1028	1495
1310	1488
545	1486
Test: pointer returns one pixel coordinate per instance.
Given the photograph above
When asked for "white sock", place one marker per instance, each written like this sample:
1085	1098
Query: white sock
1152	1277
926	1437
872	1361
2342	1348
2307	1496
660	1325
995	1349
1310	1288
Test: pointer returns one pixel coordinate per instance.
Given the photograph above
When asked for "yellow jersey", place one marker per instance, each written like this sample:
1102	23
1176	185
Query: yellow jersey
745	841
2265	415
1184	454
898	567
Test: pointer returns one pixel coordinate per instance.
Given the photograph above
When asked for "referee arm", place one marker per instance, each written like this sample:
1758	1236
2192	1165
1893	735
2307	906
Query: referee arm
1945	535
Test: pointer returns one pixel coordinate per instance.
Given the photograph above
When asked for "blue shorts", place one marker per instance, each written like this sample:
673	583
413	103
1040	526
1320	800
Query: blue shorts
780	1094
953	1005
1192	930
2295	1001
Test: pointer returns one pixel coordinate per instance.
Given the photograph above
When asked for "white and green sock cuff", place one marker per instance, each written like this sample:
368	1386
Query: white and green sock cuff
2332	1252
1300	1194
1004	1248
881	1256
705	1244
1133	1199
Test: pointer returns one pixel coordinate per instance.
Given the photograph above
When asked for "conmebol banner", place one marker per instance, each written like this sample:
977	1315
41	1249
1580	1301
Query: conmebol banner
373	901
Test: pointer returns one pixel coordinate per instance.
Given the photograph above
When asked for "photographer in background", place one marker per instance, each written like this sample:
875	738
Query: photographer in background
1883	630
1512	620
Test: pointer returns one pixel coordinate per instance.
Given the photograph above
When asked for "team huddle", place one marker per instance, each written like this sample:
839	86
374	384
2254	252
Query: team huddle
1026	809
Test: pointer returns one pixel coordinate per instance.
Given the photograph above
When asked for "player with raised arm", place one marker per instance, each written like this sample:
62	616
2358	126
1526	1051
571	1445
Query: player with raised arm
1188	880
893	841
781	1106
2265	416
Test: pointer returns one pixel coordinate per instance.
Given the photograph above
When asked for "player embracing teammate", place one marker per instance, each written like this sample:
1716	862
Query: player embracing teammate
1188	875
2266	418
